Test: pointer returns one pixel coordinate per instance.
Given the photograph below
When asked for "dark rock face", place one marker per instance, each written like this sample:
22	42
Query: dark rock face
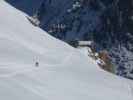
107	22
27	6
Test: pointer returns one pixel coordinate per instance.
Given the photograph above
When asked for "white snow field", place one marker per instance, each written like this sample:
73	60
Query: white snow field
64	73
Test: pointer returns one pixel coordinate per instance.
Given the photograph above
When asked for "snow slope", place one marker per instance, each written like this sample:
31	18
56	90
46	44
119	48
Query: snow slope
64	73
90	21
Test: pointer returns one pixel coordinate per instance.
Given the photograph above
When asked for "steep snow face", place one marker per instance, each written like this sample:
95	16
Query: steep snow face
107	22
63	73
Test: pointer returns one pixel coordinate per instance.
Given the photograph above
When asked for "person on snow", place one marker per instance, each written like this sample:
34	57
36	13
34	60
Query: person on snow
37	64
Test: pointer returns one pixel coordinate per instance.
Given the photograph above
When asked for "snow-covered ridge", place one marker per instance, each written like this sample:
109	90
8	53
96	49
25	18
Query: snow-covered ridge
63	73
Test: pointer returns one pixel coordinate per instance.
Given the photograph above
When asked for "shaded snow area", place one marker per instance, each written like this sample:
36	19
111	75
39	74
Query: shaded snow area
63	73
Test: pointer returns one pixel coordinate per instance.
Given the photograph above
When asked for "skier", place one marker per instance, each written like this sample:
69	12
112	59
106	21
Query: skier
37	64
